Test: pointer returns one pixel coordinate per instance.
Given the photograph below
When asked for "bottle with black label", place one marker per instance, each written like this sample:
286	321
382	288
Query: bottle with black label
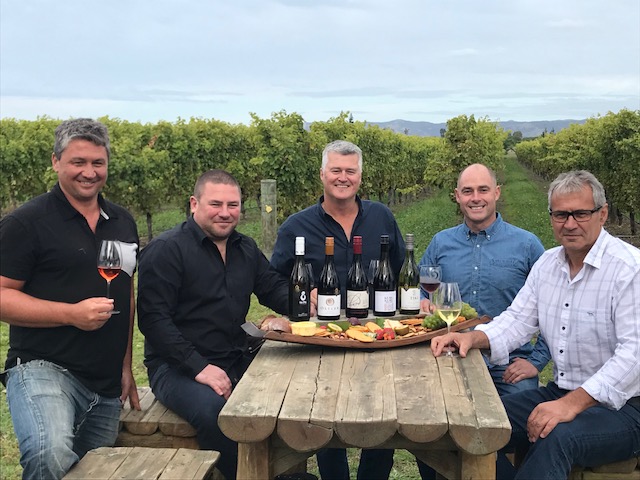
357	287
409	282
329	286
384	283
299	286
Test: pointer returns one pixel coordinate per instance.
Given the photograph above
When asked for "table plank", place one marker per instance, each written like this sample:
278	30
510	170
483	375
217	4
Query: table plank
144	463
366	413
467	390
251	413
190	464
100	463
422	416
297	425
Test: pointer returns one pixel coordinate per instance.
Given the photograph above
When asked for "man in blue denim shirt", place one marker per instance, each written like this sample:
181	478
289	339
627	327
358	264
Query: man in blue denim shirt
490	260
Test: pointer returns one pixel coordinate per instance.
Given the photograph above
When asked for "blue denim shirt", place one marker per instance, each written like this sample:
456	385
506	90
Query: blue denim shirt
490	268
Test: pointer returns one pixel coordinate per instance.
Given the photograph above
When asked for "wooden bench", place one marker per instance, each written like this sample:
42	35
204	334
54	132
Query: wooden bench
145	463
154	425
625	470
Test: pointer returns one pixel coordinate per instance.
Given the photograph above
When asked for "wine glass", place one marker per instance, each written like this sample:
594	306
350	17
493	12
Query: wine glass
448	304
430	276
373	267
109	263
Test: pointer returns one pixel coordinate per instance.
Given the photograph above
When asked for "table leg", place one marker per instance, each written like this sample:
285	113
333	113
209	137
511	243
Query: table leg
477	466
254	461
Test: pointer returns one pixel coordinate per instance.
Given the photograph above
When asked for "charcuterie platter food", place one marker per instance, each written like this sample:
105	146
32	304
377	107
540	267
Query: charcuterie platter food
371	333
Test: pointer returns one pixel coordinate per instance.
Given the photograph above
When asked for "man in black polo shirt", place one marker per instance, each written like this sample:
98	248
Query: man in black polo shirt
69	359
194	292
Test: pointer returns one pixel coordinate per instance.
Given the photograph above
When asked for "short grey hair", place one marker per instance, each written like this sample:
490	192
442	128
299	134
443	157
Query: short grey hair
80	129
341	147
574	181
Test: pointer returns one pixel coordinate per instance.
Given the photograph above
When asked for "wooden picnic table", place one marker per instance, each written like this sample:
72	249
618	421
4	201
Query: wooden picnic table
296	399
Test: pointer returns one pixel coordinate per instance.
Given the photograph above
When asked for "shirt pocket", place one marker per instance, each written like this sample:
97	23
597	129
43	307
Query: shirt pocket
505	274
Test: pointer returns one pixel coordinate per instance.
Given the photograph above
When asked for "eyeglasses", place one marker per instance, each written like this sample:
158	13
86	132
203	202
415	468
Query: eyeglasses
578	215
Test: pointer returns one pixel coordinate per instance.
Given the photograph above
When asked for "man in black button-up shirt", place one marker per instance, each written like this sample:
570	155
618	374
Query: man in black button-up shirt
194	292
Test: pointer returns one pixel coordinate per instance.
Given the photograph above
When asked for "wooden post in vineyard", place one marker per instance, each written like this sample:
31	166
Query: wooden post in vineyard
268	194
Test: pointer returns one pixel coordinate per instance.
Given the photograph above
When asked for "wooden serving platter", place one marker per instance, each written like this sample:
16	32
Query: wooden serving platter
349	343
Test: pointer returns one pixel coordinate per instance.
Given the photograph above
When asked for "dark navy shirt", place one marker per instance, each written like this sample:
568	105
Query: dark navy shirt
314	224
191	304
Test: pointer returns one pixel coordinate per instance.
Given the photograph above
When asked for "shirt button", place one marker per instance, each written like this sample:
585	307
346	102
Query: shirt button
477	246
562	374
475	268
561	351
474	292
566	304
563	328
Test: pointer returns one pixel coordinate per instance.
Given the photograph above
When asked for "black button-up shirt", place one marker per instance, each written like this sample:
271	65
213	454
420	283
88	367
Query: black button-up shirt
191	304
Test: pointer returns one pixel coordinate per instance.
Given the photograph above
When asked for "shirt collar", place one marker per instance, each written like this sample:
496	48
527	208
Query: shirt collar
595	254
487	232
361	206
105	211
201	236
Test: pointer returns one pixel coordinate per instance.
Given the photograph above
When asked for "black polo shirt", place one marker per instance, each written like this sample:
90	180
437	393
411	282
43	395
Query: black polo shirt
191	304
48	244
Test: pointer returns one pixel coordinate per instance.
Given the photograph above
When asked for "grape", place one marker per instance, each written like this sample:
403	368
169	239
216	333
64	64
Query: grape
354	321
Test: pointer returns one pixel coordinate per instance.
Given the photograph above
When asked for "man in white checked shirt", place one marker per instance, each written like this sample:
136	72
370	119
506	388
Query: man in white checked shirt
584	296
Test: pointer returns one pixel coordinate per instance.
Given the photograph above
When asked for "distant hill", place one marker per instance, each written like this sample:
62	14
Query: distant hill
428	129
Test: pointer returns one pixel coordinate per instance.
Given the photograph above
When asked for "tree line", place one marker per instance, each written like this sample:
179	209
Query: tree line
154	166
607	146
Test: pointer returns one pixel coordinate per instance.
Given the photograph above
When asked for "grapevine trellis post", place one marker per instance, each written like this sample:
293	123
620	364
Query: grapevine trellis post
268	194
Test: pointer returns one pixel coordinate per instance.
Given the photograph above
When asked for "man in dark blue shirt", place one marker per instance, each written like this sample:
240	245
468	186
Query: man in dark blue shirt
341	214
194	293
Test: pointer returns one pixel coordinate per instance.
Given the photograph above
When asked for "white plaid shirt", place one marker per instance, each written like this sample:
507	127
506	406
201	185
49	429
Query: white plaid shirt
591	322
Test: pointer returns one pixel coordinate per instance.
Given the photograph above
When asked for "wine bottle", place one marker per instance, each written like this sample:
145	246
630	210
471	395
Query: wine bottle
384	283
357	291
299	286
409	282
329	286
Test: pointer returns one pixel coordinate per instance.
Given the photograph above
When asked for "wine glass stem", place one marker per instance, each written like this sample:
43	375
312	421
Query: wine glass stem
108	285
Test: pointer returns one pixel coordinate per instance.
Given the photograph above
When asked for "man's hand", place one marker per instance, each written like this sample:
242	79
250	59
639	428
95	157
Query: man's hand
455	339
547	415
92	313
314	301
519	370
129	389
463	341
426	306
217	379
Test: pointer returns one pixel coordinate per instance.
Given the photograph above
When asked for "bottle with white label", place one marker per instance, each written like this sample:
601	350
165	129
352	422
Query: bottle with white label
357	287
409	282
329	286
384	283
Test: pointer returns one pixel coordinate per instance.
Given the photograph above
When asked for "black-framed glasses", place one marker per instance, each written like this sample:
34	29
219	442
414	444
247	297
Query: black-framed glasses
560	216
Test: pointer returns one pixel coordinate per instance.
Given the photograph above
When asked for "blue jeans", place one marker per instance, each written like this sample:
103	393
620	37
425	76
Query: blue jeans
497	371
199	405
375	464
57	419
595	437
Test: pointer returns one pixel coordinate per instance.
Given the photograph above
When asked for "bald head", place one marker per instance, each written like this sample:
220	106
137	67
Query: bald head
475	170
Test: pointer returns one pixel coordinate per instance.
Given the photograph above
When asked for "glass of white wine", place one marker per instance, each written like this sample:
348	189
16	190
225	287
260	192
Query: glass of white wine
448	304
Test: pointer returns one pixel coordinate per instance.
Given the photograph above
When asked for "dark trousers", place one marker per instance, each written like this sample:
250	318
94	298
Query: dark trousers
199	405
374	464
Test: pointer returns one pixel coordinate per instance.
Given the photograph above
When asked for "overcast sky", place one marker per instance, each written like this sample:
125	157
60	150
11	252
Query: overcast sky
420	60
